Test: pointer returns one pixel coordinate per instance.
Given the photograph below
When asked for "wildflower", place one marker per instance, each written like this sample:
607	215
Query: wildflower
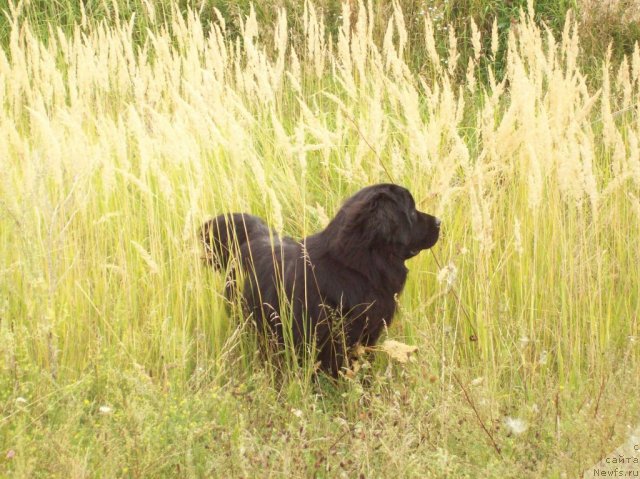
515	425
105	410
544	357
448	275
477	381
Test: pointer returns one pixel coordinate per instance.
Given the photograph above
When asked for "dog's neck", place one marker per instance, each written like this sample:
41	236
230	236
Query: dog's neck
377	263
382	269
386	269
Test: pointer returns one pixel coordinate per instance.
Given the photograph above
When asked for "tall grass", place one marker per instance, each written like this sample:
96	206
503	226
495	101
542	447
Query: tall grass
117	355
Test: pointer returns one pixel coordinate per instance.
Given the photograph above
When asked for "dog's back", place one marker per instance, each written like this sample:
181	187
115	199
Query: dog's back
272	268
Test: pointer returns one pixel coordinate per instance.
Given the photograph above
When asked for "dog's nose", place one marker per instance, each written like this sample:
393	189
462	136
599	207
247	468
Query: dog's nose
437	222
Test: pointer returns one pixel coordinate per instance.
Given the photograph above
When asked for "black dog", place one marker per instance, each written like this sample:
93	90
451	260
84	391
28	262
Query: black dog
338	285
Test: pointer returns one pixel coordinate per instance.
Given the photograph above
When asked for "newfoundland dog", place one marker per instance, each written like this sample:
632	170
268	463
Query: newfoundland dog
335	288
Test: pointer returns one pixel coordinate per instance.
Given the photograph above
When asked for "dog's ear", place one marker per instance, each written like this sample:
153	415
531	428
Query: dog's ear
387	218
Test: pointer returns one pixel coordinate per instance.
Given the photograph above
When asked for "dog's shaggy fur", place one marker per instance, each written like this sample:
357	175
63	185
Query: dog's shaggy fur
339	285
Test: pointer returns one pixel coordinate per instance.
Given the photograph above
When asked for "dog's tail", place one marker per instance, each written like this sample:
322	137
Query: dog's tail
227	242
224	236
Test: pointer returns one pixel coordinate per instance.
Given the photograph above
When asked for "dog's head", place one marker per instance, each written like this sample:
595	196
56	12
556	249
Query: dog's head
384	216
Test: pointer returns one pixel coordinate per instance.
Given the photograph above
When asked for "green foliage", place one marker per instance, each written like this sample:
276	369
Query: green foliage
613	26
600	26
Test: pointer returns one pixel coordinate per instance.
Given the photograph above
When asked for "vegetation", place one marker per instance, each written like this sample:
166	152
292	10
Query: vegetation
121	133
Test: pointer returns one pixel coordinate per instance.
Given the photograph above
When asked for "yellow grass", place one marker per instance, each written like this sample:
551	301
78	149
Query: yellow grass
112	153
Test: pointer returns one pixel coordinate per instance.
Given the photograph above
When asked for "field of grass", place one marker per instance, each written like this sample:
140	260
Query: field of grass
117	355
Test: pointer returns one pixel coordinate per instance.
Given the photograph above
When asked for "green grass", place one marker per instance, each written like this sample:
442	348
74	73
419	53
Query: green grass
118	357
601	24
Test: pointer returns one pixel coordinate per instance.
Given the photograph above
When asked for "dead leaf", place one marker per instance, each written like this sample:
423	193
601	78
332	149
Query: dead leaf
351	372
399	351
358	350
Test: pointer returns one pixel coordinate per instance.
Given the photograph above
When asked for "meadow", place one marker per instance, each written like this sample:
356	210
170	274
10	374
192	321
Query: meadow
118	357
